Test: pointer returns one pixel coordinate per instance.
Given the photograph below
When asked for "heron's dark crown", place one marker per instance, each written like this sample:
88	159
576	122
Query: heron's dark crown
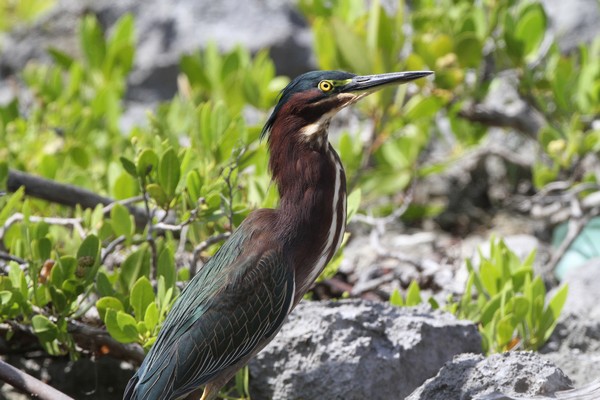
305	82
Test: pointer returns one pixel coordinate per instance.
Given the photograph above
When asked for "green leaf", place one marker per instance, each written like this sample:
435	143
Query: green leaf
108	302
12	204
120	48
468	49
490	276
121	221
63	270
147	162
44	247
531	28
396	298
169	172
61	58
194	186
142	328
422	107
128	166
166	267
433	303
88	258
515	47
151	316
45	329
5	298
353	203
90	247
148	344
124	187
142	295
121	326
520	307
3	168
490	309
72	288
505	330
352	48
158	194
59	300
552	312
103	284
413	295
92	41
137	264
80	156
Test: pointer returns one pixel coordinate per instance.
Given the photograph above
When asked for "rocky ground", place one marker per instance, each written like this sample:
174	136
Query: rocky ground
360	348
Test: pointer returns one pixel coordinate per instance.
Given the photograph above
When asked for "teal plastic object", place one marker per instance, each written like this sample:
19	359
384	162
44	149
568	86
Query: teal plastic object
586	246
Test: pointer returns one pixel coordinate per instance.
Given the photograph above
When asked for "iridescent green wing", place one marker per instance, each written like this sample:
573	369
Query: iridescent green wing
224	314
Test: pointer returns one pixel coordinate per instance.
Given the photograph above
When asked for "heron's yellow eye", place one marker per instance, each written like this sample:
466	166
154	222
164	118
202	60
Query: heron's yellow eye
325	86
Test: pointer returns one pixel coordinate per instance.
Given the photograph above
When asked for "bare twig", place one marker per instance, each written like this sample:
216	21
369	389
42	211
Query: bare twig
525	120
233	165
381	222
10	257
576	224
150	234
64	194
17	217
554	201
182	239
28	384
112	246
98	340
163	226
502	152
124	202
87	337
362	287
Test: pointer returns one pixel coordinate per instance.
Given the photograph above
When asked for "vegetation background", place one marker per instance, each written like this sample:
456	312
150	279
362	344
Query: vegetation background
157	196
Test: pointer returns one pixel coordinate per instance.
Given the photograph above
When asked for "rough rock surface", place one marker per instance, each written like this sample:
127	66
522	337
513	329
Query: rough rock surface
575	344
472	376
573	21
357	350
165	31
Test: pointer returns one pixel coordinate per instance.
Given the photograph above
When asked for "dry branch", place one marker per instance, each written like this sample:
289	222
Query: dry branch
64	194
28	384
524	121
89	338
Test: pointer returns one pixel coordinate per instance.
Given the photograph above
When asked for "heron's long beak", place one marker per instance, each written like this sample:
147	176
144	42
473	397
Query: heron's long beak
371	83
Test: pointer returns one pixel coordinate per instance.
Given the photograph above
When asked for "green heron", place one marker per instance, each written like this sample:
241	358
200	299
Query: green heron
238	301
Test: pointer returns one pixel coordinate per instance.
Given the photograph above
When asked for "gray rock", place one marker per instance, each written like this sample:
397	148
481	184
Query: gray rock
472	376
167	30
357	350
575	343
573	22
584	297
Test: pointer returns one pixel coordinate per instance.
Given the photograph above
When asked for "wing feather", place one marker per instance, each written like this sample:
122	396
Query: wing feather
225	313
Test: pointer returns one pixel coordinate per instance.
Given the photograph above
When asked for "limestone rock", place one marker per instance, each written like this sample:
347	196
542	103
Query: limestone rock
357	350
499	376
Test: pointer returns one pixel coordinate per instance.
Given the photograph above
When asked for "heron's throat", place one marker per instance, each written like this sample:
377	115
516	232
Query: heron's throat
315	133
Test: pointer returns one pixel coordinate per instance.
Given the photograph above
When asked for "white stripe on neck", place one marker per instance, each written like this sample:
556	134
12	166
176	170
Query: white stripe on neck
334	229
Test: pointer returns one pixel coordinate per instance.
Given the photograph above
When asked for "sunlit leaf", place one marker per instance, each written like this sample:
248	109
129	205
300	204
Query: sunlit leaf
142	295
